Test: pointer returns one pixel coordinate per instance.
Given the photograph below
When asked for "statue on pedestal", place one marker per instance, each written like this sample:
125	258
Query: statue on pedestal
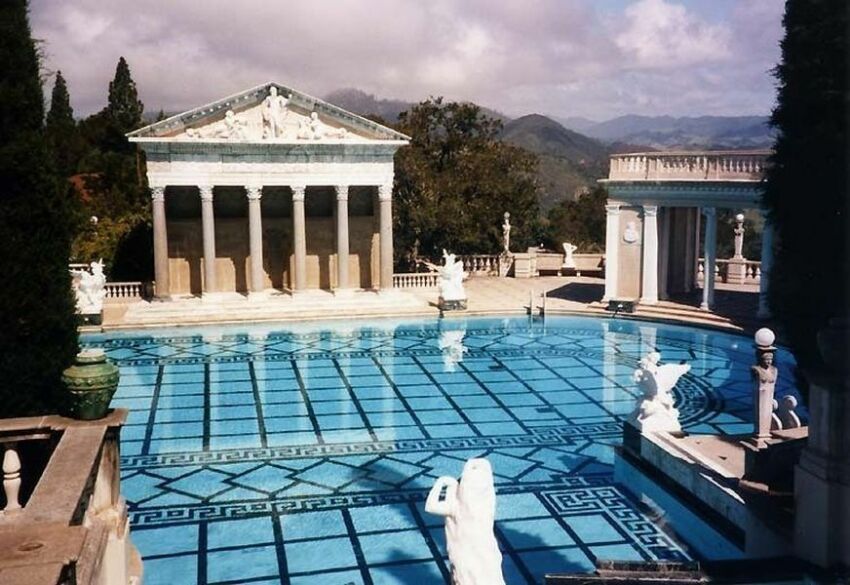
739	236
452	293
506	234
569	261
90	289
655	410
469	507
764	375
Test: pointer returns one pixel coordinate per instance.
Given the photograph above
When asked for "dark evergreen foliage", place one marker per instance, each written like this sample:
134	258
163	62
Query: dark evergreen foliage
125	108
38	335
61	130
455	181
806	189
580	222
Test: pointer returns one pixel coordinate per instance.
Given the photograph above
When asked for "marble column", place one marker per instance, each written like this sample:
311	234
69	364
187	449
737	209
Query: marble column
255	237
649	288
208	231
766	268
160	242
612	249
664	253
710	255
342	237
299	238
385	197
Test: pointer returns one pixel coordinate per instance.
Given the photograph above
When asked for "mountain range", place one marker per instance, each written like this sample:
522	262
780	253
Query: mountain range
574	151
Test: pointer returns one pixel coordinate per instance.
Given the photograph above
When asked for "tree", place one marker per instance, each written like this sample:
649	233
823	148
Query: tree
456	180
580	222
806	187
61	130
125	109
37	321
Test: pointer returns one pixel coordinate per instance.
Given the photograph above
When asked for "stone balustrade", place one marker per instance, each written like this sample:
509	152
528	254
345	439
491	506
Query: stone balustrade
689	166
62	511
481	264
127	291
751	275
416	280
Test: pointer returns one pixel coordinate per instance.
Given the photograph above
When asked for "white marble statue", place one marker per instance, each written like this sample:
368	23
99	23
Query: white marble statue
90	288
274	113
506	234
451	344
451	278
569	261
739	236
234	128
764	375
655	410
469	507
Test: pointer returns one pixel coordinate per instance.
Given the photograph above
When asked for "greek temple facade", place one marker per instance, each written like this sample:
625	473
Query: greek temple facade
270	189
657	202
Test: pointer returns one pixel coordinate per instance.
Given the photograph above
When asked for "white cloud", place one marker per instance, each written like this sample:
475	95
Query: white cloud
562	57
662	34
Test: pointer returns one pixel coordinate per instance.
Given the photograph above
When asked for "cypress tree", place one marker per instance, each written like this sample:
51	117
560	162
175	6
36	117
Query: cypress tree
38	334
124	106
61	129
806	188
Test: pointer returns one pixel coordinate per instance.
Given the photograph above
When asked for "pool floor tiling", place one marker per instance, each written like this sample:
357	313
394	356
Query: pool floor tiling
302	456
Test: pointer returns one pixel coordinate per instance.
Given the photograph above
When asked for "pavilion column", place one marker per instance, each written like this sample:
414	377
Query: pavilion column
208	231
342	237
299	235
255	237
649	288
710	254
664	253
385	197
160	242
766	268
612	249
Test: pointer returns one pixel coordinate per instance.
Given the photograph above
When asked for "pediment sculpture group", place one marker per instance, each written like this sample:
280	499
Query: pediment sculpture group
277	122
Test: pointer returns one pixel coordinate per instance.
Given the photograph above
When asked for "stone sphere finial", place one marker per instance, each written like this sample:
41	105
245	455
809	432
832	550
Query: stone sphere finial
739	217
764	338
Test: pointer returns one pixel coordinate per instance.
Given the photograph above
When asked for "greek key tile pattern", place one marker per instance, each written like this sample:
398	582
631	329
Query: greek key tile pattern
295	456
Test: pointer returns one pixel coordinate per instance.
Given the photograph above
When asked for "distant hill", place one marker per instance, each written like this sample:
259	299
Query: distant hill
688	133
569	162
366	104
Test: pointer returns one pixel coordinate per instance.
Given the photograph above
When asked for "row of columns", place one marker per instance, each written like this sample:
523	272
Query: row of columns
650	257
254	194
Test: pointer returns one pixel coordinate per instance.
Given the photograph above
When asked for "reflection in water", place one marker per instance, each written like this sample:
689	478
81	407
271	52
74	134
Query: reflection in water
451	344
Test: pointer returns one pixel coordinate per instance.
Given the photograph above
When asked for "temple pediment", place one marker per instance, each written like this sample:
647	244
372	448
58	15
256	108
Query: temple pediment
267	114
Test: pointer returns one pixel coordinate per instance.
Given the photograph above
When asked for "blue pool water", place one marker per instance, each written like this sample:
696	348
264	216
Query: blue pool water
302	454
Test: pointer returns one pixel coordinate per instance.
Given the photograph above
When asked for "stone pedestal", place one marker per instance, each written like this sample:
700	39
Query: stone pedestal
451	305
736	272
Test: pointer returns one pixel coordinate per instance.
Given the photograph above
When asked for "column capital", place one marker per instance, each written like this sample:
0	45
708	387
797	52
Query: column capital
385	192
158	193
341	192
612	209
206	192
709	211
254	192
650	210
299	192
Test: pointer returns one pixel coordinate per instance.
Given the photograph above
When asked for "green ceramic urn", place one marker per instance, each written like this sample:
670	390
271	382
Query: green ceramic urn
91	382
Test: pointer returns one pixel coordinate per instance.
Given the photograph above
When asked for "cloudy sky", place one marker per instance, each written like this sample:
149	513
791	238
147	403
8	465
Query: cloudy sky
592	58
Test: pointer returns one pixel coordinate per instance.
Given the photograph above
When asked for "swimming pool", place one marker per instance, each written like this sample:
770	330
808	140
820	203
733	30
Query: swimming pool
302	454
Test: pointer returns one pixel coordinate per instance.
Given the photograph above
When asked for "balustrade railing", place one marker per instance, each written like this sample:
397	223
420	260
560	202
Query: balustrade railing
415	280
481	264
127	290
689	166
749	271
